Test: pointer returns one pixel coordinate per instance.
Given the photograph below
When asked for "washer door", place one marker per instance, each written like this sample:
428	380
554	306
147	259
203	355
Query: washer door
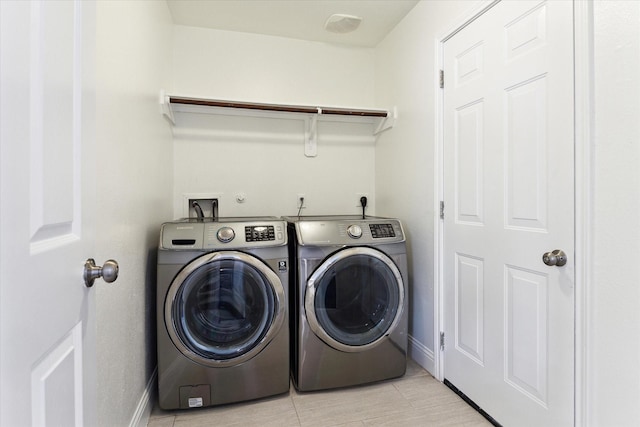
354	299
223	308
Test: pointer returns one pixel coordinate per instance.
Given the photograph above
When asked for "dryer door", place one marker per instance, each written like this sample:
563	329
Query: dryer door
223	308
354	299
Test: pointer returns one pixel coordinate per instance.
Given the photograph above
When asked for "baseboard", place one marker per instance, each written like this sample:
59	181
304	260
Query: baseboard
422	355
143	410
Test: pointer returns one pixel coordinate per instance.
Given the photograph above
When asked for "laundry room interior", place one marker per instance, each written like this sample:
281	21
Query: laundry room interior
155	157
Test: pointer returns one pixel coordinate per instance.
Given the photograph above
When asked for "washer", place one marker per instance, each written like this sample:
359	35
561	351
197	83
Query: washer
222	311
348	300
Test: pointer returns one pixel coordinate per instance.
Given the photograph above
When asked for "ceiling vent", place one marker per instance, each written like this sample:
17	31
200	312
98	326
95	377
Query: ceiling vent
342	24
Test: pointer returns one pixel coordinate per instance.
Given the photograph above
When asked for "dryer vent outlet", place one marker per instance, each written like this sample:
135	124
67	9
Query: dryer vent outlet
209	208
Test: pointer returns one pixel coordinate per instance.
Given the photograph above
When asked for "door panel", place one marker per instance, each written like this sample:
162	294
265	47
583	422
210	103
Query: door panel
526	331
56	384
469	165
54	120
508	162
470	307
526	156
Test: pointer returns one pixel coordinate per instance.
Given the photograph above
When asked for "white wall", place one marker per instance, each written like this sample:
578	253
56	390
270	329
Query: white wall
264	159
134	186
405	166
613	383
251	67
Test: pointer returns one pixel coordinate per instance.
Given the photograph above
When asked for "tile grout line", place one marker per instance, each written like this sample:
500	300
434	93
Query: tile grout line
295	408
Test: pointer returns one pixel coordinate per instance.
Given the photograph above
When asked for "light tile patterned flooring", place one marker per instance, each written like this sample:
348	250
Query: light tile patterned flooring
417	399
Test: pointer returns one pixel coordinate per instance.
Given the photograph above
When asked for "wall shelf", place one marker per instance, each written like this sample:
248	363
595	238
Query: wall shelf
381	119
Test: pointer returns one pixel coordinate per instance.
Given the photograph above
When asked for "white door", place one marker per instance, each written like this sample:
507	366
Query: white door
47	179
508	153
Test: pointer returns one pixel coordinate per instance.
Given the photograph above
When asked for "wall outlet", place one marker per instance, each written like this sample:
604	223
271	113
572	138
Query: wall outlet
358	196
301	201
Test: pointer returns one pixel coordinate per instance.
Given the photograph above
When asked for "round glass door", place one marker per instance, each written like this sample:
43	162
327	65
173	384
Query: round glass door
354	299
223	308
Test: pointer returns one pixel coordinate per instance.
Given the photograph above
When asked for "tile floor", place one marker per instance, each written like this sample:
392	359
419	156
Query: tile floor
417	399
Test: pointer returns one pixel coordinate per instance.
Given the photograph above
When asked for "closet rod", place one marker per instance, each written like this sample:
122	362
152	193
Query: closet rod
274	107
363	113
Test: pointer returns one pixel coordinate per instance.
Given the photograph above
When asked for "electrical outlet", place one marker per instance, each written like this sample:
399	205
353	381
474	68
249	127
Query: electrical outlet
360	195
301	201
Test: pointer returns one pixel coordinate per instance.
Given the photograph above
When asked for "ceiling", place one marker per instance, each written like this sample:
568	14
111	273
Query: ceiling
299	19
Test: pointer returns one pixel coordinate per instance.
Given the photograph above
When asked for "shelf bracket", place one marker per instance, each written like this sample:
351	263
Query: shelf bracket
311	135
165	107
387	122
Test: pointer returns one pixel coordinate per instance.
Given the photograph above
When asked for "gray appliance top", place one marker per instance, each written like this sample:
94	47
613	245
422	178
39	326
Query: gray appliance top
229	219
346	230
223	233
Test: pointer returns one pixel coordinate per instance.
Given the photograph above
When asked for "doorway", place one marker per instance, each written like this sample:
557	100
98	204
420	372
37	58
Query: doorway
508	192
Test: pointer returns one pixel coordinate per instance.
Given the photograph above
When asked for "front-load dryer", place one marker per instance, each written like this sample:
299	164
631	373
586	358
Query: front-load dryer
348	300
222	311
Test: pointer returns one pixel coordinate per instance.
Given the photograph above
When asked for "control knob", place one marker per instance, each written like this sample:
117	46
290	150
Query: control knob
225	234
354	231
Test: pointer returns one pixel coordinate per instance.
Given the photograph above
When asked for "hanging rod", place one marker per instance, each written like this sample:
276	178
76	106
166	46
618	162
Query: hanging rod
278	107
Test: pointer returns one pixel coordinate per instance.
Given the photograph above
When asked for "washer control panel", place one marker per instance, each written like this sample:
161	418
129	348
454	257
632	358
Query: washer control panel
230	234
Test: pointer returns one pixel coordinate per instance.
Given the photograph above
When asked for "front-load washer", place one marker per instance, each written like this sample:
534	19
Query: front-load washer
222	311
348	300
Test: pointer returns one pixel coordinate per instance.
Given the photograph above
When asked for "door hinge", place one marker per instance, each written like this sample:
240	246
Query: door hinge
442	210
441	341
441	79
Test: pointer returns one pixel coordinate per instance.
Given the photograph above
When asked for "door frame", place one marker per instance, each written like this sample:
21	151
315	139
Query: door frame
583	186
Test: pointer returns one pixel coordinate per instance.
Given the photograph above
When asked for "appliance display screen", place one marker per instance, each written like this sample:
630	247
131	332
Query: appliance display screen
259	233
382	230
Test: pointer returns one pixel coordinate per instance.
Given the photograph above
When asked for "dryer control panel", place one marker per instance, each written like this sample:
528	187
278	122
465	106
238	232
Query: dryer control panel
347	230
379	231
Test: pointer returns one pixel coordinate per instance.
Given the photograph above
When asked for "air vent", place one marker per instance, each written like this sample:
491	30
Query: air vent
342	24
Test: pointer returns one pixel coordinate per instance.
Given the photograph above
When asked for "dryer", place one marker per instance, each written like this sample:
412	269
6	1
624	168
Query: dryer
348	309
222	311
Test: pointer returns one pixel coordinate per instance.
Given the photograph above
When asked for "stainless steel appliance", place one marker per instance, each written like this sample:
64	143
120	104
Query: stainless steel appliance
348	300
222	311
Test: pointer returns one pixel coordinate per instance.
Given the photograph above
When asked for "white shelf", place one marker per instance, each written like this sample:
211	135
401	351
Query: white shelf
381	119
